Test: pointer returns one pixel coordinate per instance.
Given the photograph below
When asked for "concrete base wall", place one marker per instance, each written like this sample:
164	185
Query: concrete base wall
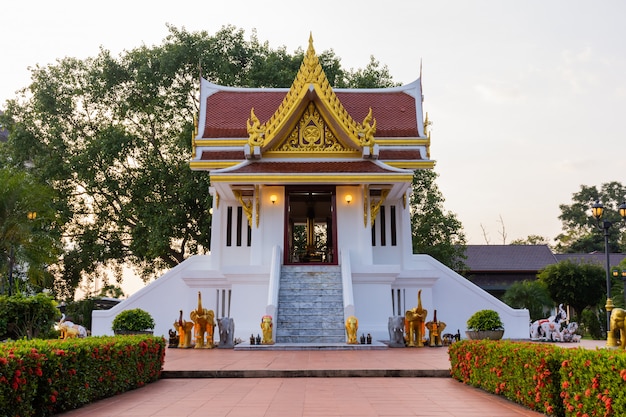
454	297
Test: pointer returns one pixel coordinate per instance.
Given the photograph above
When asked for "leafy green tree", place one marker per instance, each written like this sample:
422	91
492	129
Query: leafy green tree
580	232
29	240
372	76
27	316
531	240
112	135
529	294
435	232
577	284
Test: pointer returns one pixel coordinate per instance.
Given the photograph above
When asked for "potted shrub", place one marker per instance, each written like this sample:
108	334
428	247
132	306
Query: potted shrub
135	321
485	324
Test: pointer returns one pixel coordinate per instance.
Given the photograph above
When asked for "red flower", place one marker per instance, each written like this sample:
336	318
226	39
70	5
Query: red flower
565	384
53	399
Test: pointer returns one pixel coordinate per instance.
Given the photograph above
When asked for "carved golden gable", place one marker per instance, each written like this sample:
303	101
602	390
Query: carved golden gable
311	117
311	134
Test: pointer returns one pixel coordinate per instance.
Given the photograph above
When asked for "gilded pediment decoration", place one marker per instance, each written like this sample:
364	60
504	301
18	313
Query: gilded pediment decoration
311	84
311	134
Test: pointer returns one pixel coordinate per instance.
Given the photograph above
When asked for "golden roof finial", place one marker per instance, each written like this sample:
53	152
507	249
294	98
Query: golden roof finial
255	130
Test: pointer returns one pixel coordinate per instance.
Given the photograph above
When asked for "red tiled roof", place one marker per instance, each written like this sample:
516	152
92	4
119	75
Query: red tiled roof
319	167
228	111
403	154
221	155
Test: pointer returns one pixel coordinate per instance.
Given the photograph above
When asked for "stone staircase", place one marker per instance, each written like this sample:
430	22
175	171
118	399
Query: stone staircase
310	305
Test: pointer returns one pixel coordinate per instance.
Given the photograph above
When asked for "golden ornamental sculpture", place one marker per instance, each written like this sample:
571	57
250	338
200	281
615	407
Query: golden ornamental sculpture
255	130
435	331
367	129
415	323
310	77
311	134
204	324
375	206
245	204
184	331
352	327
266	328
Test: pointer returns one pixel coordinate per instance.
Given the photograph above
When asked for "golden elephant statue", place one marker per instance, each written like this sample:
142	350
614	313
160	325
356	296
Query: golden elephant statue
415	323
352	327
266	327
618	325
435	330
204	323
184	331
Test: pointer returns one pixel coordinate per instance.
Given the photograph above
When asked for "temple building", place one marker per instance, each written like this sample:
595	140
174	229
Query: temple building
310	216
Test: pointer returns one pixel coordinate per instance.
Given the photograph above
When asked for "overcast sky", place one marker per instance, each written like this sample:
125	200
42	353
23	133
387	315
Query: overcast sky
527	98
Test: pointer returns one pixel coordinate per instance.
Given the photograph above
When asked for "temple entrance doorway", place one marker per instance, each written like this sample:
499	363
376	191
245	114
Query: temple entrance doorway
311	233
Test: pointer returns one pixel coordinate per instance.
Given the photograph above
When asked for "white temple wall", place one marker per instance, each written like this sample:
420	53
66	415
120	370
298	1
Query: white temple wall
388	253
352	234
270	232
247	308
456	298
165	297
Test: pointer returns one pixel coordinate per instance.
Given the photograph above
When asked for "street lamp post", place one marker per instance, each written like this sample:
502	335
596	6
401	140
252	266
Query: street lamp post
597	210
621	273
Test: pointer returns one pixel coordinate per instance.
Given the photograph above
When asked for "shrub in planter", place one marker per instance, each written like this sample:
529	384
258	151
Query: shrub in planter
485	324
133	321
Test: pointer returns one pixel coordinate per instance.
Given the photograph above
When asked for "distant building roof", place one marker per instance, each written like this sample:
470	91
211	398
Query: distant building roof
595	258
508	257
484	258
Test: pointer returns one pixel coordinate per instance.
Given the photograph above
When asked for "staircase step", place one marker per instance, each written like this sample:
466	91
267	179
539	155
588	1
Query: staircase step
310	305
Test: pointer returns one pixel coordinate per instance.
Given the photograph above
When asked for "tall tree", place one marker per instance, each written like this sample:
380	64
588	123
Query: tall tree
580	232
531	240
579	285
532	295
112	136
29	240
435	231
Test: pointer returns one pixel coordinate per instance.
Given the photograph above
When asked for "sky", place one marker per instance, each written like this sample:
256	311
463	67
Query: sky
527	98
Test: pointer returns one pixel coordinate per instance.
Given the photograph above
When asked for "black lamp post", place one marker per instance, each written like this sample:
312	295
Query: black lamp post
620	273
597	210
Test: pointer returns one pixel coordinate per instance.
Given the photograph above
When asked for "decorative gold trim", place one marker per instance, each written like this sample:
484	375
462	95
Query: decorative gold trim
311	135
366	131
211	164
306	154
311	76
404	201
321	179
412	164
401	141
366	196
194	134
247	205
256	203
217	200
255	130
375	207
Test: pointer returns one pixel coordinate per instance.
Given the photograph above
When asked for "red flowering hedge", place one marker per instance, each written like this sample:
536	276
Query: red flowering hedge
545	378
43	377
594	383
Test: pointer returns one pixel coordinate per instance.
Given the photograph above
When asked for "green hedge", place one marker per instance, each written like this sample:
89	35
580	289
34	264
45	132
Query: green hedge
43	377
543	377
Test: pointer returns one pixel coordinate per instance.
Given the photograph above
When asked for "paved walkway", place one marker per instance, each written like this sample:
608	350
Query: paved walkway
275	396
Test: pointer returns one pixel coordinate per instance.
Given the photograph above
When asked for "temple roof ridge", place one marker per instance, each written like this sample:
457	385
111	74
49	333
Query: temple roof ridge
310	79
